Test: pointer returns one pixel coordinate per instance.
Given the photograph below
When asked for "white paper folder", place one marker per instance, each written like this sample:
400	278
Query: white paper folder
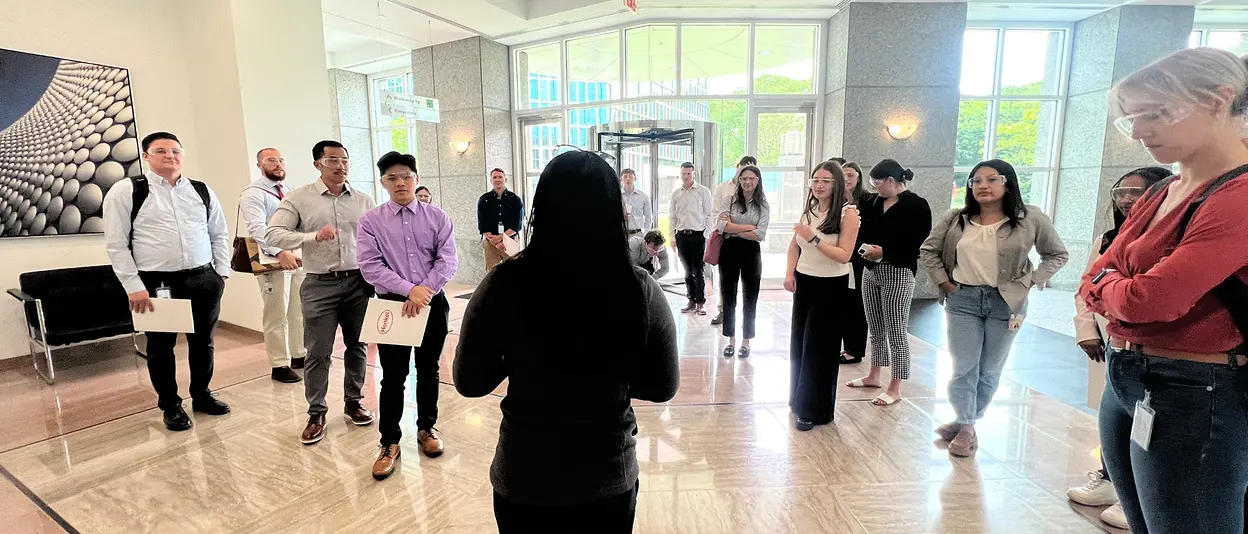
384	323
511	247
169	315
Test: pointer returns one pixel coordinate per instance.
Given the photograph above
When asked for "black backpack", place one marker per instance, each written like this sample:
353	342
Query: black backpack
1232	292
142	188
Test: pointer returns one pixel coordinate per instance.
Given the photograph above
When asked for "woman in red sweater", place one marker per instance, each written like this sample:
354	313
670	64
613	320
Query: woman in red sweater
1173	420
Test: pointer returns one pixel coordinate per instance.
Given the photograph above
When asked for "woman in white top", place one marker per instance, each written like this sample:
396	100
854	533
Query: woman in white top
818	274
978	256
744	226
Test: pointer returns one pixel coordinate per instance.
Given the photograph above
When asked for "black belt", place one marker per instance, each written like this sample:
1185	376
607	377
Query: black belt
336	274
688	232
634	232
183	273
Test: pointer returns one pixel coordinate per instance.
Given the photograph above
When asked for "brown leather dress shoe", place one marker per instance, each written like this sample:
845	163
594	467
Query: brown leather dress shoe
315	431
948	431
358	415
387	457
430	442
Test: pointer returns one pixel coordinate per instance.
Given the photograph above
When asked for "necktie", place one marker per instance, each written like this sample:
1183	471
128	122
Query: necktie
280	196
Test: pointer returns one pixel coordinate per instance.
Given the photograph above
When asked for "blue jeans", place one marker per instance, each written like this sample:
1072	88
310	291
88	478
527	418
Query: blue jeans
978	323
1193	476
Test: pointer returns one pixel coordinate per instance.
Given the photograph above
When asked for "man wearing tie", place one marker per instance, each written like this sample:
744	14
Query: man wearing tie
406	251
279	290
638	212
321	218
499	213
166	236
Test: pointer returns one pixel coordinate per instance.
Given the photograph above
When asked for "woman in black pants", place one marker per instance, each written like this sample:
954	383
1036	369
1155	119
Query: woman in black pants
574	468
855	344
818	274
744	226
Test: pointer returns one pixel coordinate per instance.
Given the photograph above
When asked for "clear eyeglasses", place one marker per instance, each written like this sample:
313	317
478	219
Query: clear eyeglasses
989	180
1160	117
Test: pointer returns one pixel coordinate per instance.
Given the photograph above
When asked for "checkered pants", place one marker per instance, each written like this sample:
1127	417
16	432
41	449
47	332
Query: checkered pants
886	294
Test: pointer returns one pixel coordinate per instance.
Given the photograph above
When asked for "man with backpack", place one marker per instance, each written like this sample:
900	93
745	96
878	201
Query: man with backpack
166	238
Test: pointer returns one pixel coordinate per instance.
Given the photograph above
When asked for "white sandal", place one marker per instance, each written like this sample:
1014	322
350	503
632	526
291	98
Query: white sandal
886	399
858	383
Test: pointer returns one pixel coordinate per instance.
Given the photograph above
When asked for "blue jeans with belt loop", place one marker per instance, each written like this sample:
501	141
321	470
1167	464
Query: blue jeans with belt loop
1194	474
977	319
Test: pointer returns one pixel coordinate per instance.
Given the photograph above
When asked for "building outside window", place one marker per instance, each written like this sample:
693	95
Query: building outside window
1233	41
1013	90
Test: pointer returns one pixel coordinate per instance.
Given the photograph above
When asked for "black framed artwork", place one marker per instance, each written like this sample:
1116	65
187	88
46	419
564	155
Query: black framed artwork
67	134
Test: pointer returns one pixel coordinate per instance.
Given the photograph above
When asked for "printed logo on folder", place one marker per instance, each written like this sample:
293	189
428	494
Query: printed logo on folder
385	320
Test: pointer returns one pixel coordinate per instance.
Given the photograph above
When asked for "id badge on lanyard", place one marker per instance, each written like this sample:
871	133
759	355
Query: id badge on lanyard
1142	423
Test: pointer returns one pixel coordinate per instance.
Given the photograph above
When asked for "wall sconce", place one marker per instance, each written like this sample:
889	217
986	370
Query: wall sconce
901	131
461	146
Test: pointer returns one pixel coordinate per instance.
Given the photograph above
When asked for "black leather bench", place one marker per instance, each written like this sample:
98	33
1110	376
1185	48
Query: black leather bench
74	306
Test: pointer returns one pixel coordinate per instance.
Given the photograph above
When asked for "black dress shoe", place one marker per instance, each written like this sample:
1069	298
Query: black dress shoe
719	319
285	375
296	363
804	424
176	419
210	406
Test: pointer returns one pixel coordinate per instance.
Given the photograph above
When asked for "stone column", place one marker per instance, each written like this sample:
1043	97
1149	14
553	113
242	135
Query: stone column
1107	47
471	81
348	105
897	63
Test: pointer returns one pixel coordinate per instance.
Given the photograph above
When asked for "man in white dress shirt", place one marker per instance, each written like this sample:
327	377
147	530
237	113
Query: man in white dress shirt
638	212
166	238
723	199
279	290
692	218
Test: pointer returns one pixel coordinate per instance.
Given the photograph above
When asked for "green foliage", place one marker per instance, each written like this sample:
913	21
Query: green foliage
1017	139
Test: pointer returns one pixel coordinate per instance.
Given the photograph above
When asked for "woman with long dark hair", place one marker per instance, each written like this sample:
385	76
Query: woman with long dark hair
818	274
1089	330
855	343
1174	286
744	226
978	255
895	222
571	469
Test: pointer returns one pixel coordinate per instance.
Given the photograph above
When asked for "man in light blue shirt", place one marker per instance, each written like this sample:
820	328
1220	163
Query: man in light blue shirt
279	290
166	237
638	211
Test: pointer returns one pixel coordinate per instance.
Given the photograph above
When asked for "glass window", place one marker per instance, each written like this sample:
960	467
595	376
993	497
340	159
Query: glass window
594	68
1011	114
1194	40
784	59
651	66
1025	132
1231	41
538	68
713	59
381	86
1031	62
972	132
979	62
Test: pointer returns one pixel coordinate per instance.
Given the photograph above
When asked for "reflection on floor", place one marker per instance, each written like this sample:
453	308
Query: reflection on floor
721	457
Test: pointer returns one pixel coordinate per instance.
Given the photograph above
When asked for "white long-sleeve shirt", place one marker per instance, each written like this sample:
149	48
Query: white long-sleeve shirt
172	231
258	203
692	209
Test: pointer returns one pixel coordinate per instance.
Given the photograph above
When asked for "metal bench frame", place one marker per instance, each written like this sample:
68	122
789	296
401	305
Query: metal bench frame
35	338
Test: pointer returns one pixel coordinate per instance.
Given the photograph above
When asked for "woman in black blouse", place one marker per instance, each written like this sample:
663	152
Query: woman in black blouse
855	343
894	225
568	466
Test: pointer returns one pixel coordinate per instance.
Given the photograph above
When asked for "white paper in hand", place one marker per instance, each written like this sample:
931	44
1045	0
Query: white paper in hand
511	247
384	323
169	315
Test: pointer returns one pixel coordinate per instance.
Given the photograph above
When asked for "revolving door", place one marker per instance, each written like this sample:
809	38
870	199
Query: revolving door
655	149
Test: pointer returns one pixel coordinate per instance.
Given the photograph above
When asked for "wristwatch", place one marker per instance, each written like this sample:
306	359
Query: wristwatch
815	240
1101	275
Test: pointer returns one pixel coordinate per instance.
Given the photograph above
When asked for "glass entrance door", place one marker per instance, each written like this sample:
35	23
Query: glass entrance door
782	145
541	138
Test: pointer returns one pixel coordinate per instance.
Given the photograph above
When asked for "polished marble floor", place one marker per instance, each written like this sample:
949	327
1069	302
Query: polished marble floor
90	454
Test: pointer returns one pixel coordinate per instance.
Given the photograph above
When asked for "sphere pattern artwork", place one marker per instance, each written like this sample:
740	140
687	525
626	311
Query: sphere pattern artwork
59	159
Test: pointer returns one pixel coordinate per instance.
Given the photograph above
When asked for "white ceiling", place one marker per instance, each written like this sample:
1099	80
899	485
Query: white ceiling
358	39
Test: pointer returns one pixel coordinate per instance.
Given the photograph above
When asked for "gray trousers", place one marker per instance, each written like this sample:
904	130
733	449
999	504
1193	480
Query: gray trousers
330	302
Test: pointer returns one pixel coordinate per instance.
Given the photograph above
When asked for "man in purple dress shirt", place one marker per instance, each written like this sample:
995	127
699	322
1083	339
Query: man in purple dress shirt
406	250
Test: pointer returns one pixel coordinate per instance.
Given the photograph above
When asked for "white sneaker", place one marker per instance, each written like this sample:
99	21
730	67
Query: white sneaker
1097	492
1114	517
